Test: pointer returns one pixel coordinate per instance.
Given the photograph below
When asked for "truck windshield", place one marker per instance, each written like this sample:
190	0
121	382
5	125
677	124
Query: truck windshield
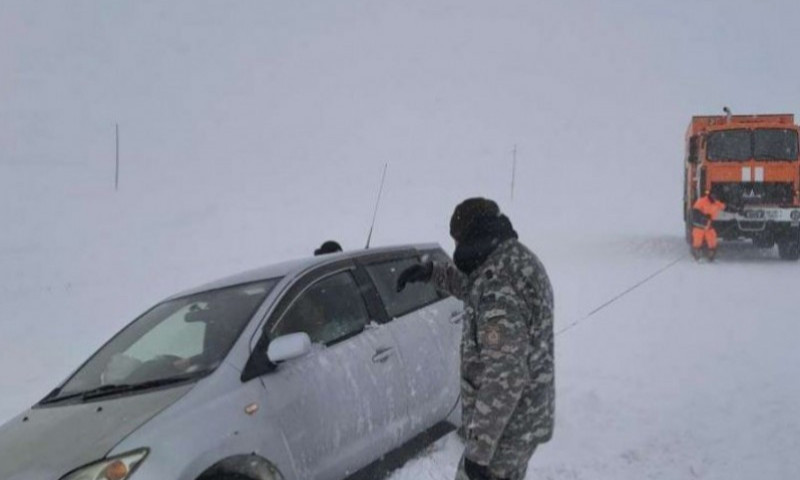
758	144
775	144
730	145
182	338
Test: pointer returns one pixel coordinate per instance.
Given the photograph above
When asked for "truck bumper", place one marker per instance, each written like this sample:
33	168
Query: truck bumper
789	216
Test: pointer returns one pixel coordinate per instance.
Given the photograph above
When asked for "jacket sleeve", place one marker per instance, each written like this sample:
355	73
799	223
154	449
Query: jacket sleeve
448	278
542	364
503	341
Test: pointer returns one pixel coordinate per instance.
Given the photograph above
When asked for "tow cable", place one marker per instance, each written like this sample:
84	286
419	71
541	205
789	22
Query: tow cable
622	294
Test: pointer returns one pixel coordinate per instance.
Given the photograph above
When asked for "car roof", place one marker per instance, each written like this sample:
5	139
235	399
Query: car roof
293	268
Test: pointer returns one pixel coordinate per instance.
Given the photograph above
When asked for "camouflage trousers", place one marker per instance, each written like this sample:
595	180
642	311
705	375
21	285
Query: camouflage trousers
516	445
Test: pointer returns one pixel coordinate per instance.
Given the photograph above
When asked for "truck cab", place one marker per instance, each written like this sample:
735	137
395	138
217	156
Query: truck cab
752	164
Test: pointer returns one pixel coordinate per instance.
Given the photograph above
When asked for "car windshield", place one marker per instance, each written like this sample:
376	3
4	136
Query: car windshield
183	338
758	144
775	144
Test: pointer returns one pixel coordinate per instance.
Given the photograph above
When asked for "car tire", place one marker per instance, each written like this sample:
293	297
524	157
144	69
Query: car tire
229	476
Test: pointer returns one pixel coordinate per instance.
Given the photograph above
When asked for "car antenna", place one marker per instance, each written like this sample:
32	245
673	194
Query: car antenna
377	202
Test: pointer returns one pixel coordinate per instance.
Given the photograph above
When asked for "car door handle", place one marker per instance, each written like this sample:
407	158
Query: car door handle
457	316
382	354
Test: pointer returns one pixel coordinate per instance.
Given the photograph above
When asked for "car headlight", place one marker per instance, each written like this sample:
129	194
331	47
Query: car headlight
115	468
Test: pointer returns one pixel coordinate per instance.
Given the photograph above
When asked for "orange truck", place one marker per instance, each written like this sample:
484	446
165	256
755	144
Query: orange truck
752	163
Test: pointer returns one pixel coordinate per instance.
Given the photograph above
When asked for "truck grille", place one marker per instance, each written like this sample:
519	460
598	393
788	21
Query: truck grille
754	193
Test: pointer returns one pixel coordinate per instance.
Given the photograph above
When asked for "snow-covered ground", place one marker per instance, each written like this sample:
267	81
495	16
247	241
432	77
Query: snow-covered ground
692	375
252	131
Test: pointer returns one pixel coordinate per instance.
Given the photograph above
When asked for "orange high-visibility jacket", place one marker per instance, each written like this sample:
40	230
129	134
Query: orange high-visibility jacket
711	209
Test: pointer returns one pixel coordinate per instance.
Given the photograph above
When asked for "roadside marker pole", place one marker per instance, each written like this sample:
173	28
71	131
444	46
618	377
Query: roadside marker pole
513	171
116	171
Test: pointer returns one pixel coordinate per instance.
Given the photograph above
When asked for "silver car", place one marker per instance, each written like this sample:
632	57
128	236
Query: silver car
309	369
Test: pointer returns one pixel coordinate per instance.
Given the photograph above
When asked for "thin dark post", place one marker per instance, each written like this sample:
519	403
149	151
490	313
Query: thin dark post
116	172
513	171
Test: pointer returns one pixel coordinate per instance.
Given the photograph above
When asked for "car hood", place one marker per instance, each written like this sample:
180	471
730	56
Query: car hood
49	442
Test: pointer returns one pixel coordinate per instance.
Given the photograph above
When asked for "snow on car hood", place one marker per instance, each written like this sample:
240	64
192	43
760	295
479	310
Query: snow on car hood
58	439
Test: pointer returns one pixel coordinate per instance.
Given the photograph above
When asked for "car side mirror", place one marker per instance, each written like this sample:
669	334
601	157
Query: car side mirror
287	347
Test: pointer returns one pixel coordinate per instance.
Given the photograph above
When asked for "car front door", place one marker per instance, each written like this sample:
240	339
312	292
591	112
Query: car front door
336	404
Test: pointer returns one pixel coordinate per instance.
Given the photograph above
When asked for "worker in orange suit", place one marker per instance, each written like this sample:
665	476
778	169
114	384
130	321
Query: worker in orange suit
704	211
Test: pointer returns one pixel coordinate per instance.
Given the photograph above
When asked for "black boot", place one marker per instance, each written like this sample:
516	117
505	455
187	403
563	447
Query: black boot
712	252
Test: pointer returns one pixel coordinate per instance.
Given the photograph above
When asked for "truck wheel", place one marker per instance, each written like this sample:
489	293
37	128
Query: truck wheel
789	250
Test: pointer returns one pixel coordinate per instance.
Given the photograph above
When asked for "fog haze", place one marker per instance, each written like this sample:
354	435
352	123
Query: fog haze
294	102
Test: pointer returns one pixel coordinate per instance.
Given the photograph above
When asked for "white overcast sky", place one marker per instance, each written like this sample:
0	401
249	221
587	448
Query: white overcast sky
306	100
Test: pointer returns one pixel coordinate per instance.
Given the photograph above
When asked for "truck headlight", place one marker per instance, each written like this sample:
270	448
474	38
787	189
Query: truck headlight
115	468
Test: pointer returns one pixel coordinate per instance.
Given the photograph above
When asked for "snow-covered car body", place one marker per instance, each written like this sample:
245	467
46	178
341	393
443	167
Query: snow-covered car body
354	395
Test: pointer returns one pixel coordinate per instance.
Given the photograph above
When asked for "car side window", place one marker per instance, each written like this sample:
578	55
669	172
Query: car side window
329	310
415	296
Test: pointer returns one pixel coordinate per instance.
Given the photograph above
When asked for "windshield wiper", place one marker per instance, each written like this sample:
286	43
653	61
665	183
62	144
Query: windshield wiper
52	398
114	389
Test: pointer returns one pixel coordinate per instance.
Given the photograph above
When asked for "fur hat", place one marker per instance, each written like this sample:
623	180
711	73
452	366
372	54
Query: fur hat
468	212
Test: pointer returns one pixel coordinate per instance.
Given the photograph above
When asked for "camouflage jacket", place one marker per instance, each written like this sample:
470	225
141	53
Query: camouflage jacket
507	374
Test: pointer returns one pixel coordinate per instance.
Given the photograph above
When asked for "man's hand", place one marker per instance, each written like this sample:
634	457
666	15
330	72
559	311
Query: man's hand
475	471
420	272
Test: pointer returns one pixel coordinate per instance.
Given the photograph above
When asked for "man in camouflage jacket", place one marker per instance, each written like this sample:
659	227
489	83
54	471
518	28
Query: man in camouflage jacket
507	374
